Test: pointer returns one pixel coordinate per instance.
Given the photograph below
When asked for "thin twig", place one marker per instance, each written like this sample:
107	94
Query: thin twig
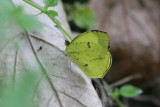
124	80
148	98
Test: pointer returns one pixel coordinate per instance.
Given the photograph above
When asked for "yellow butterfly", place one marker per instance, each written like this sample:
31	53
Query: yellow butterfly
90	51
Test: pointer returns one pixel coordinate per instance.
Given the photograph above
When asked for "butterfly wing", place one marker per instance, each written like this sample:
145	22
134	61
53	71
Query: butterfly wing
90	52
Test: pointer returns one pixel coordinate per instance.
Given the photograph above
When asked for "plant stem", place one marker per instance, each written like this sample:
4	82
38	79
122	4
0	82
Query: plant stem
52	18
118	102
34	5
60	27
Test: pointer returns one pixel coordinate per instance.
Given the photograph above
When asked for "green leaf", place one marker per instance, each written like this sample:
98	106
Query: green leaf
19	94
81	15
12	18
52	13
130	91
50	3
5	8
85	18
10	15
25	21
5	15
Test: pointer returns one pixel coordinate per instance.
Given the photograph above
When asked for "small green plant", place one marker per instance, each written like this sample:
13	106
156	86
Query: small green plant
50	13
127	91
81	15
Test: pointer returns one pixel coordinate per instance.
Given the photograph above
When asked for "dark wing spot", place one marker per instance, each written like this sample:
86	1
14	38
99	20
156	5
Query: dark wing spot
86	65
96	59
88	44
74	52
